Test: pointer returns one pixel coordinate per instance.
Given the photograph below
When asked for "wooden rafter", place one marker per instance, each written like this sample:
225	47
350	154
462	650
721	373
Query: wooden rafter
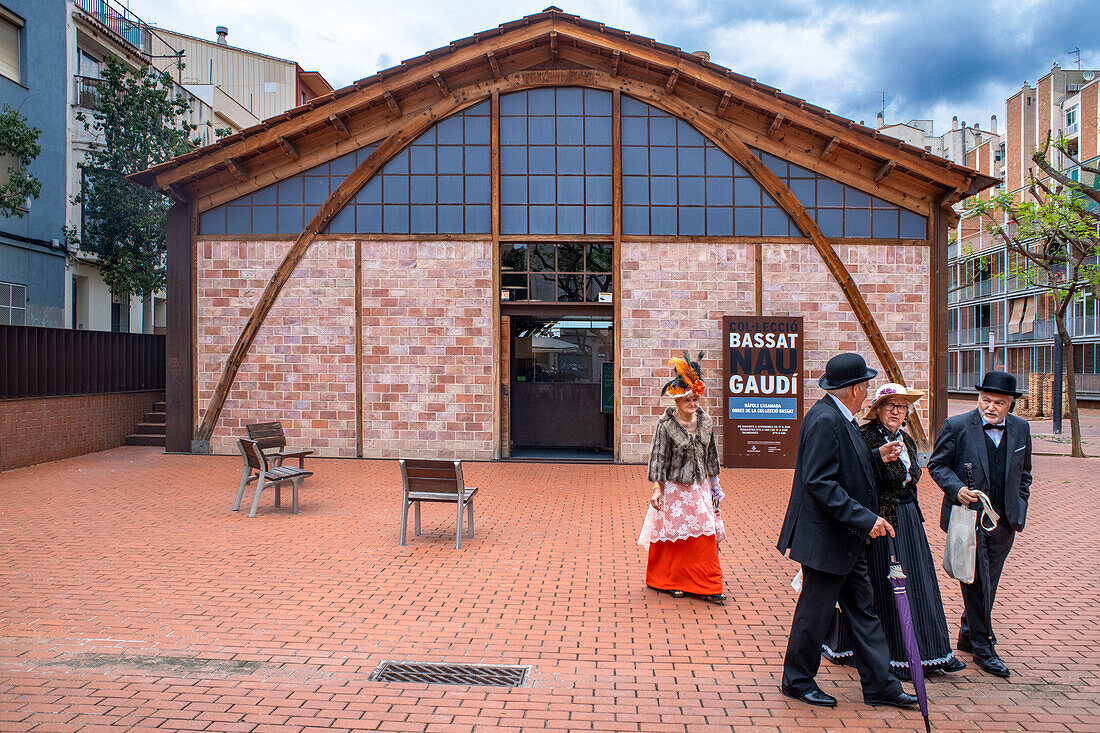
492	59
441	83
724	103
829	147
950	197
237	169
288	147
391	102
177	193
777	123
554	45
884	170
616	59
670	85
341	128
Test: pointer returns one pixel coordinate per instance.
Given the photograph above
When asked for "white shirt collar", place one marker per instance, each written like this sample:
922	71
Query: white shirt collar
843	410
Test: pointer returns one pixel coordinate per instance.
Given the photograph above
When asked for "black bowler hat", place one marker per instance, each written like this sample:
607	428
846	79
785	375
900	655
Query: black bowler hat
844	370
999	383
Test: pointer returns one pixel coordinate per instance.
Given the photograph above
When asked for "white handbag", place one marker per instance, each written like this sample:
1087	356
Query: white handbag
960	551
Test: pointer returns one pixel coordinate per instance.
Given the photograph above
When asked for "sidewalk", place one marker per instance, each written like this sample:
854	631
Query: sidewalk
132	597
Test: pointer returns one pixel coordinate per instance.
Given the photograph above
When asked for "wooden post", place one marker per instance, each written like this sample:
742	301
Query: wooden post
500	402
616	269
358	348
938	356
179	332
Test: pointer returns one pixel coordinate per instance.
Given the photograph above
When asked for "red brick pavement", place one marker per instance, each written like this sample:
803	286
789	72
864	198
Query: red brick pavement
131	597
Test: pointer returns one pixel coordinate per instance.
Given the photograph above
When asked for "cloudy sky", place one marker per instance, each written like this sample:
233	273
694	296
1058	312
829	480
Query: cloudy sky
932	58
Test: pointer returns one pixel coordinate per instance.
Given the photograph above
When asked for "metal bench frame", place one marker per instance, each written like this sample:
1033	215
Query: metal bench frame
256	468
435	481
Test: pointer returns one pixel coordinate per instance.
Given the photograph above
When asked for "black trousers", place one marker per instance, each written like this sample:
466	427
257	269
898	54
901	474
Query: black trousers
978	597
812	616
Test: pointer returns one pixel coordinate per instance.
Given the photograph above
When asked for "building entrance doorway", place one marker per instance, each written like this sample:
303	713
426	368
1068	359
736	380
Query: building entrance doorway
555	387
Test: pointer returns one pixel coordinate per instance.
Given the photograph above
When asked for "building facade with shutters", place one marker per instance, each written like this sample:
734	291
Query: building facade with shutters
446	259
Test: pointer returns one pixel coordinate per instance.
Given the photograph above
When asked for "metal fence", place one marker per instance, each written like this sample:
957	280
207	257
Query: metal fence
46	362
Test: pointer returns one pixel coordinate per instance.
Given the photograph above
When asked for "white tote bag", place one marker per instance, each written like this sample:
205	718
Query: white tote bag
961	549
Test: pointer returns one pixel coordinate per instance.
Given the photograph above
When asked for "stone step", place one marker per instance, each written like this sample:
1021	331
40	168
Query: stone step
145	440
160	406
149	428
154	417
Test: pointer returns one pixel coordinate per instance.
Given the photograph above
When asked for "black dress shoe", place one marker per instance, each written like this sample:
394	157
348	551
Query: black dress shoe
993	665
811	697
954	665
964	645
900	700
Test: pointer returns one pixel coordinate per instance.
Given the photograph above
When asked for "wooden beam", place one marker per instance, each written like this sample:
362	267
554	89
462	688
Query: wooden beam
554	45
288	147
672	79
616	59
358	348
340	126
949	197
391	102
492	59
884	170
776	124
829	147
180	331
441	83
724	103
177	194
237	169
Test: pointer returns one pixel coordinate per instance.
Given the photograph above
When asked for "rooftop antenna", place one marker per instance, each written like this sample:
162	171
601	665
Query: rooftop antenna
1075	52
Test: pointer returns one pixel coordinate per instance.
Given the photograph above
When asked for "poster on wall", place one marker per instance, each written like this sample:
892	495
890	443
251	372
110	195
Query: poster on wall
762	390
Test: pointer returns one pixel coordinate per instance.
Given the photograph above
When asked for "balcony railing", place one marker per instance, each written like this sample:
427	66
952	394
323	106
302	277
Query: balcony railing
1040	330
121	21
86	95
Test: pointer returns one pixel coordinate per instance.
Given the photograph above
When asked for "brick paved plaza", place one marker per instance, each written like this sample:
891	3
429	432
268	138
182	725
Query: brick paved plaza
132	597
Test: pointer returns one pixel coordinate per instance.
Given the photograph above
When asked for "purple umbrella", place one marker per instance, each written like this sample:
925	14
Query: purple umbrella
905	620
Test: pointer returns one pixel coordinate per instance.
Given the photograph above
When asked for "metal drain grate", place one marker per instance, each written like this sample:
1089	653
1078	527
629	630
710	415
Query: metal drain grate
451	674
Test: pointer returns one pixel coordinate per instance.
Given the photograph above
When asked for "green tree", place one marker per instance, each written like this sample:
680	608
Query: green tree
19	146
137	122
1052	237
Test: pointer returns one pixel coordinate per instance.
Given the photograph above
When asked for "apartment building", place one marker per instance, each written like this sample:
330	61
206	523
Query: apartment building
995	321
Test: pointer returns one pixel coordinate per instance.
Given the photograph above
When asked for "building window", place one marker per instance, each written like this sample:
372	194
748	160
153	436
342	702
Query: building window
13	304
11	30
551	272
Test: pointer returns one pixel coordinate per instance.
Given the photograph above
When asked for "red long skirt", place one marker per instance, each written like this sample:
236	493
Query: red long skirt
689	565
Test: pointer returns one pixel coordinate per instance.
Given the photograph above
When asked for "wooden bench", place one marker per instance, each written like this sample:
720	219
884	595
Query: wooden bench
435	481
256	469
269	436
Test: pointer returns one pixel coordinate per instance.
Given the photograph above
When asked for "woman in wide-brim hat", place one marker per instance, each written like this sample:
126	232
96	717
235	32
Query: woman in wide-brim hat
683	524
897	489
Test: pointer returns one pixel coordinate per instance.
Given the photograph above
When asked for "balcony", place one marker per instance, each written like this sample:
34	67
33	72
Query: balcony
1071	129
1039	331
86	91
120	21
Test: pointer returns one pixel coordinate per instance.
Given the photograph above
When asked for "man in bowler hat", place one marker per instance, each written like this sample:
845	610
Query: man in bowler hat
831	517
998	446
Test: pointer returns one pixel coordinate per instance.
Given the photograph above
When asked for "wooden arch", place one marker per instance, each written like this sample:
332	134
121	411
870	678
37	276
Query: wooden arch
415	124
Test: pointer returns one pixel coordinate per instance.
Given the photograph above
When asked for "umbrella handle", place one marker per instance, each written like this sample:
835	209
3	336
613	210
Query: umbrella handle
892	549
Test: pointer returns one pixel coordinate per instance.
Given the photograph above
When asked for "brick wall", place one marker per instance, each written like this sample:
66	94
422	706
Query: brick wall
428	350
1088	115
301	367
50	428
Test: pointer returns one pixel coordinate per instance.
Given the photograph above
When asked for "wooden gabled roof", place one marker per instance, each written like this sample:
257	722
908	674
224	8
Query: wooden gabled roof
553	47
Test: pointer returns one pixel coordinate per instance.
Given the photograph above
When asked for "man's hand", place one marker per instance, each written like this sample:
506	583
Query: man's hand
881	528
966	496
890	451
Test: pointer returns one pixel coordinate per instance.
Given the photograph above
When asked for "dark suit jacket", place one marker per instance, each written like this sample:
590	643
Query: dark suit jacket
962	440
833	502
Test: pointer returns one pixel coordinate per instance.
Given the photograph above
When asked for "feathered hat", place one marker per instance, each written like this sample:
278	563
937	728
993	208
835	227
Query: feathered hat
687	380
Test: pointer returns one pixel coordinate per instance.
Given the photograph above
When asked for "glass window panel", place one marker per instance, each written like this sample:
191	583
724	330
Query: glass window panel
395	189
692	192
544	287
448	219
423	219
570	130
632	107
422	159
543	258
540	101
571	288
344	222
829	193
596	284
478	219
804	190
513	105
368	219
541	160
720	221
746	192
662	220
719	191
662	130
854	199
597	160
662	190
689	161
516	285
877	203
513	219
450	159
423	190
570	101
513	189
692	221
797	171
570	257
428	138
570	190
740	172
541	219
570	160
513	160
264	196
718	163
370	193
775	223
263	220
831	222
449	131
635	219
662	161
635	161
857	223
597	190
238	220
513	130
477	130
746	222
513	257
597	102
688	136
395	219
398	163
213	222
540	131
635	130
597	130
449	189
344	165
597	220
779	167
477	189
541	189
315	189
598	258
884	224
308	212
912	226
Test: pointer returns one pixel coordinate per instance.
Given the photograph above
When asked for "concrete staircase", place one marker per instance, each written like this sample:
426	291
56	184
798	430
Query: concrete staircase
151	430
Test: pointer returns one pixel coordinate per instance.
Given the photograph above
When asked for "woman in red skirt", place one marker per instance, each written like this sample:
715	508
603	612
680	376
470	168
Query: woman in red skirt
683	524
